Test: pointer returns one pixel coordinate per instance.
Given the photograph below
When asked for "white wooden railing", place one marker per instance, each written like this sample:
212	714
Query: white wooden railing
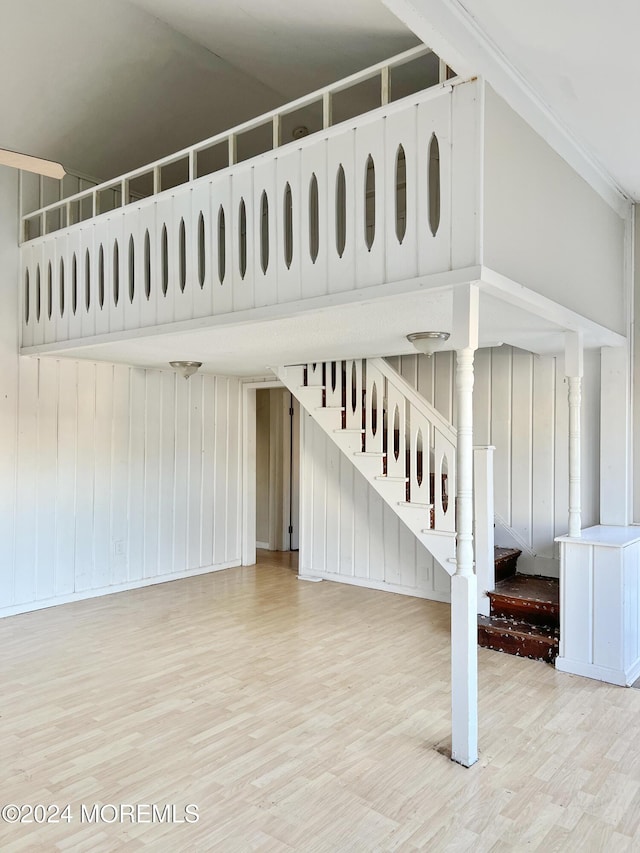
416	442
359	204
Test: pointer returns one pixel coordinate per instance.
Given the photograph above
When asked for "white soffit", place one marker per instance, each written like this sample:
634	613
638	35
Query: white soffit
571	70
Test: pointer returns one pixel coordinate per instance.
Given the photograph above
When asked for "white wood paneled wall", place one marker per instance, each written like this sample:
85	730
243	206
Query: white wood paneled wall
122	477
349	534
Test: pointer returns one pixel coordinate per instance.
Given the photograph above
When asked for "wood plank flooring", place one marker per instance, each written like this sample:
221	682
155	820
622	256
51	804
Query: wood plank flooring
300	717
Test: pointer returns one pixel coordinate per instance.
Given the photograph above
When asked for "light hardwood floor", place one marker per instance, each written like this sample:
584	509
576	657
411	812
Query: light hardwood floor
300	717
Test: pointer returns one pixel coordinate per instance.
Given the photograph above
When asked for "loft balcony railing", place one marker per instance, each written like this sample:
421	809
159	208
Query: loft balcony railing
356	204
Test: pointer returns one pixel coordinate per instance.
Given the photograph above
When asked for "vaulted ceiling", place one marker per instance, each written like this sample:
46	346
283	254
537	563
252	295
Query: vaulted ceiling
106	85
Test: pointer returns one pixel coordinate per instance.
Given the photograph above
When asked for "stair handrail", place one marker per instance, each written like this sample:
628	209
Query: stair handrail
416	399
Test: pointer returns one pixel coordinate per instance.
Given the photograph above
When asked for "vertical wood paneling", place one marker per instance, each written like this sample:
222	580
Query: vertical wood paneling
116	478
152	469
522	443
543	442
169	383
46	466
103	468
85	475
501	432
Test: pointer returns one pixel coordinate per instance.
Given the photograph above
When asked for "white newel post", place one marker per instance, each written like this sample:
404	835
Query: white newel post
483	524
464	590
574	371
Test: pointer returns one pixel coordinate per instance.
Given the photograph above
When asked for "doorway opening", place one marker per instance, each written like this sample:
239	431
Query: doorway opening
277	526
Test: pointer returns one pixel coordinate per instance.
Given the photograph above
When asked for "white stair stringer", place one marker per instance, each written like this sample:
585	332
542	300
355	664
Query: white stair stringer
413	414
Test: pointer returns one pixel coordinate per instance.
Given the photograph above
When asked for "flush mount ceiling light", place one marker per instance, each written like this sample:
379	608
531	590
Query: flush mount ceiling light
428	342
300	132
186	368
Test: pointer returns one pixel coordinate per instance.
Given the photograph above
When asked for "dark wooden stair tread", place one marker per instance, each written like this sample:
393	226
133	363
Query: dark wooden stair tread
515	637
529	588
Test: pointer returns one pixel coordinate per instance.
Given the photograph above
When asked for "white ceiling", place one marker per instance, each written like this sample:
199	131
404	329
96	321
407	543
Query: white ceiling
107	85
582	58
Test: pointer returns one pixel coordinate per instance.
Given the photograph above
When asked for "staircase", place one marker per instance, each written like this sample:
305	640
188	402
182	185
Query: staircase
397	440
524	618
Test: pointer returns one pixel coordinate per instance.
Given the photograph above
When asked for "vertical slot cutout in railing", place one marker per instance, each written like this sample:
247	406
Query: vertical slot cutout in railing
222	246
182	254
202	264
27	298
49	290
433	194
38	295
341	211
401	194
242	236
369	202
314	219
61	285
101	277
74	284
288	225
164	258
87	281
264	232
116	273
147	265
132	269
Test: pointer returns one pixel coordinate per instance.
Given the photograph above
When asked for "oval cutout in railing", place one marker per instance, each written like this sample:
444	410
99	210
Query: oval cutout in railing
164	242
222	245
374	408
288	225
369	202
434	185
182	252
74	284
147	265
27	298
38	297
202	267
314	219
354	388
333	375
101	277
396	433
444	485
401	194
61	285
49	291
87	280
264	232
242	235
116	273
341	211
132	269
419	457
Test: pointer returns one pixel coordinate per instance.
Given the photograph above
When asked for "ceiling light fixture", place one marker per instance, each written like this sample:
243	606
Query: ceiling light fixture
428	342
186	368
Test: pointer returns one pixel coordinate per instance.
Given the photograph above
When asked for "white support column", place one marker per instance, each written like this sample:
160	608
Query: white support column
574	371
483	524
464	591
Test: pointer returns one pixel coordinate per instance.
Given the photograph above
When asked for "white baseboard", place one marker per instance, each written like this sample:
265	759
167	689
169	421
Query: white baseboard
377	585
264	546
30	606
599	673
